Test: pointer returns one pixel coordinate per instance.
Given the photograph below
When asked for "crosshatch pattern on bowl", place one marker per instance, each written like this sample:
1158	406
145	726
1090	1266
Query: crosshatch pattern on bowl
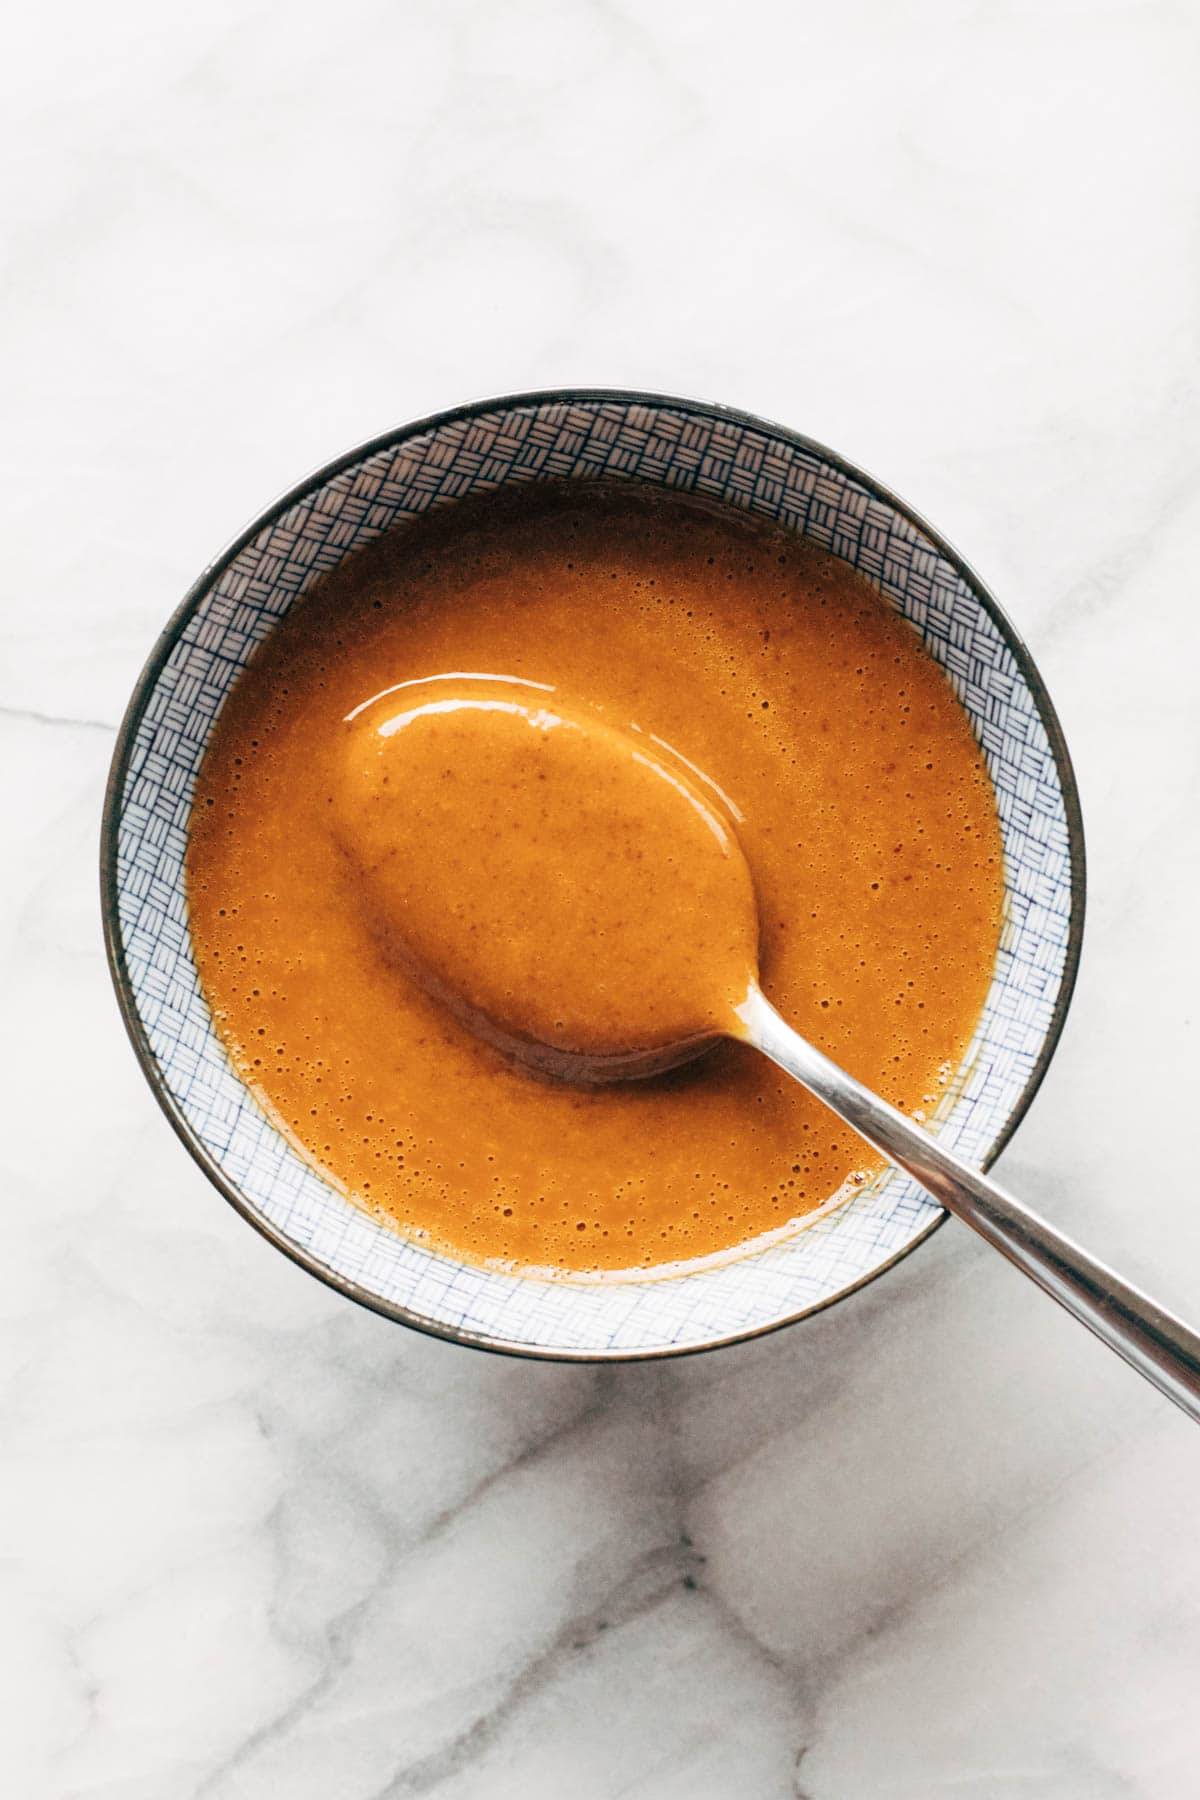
732	461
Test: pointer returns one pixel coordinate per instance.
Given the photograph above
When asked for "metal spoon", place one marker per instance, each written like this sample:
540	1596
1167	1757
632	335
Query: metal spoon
1154	1342
493	905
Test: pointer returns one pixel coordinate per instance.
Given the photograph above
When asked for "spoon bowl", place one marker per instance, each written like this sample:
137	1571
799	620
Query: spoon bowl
569	888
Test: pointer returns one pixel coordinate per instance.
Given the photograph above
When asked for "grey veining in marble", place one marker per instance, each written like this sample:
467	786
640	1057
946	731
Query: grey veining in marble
254	1542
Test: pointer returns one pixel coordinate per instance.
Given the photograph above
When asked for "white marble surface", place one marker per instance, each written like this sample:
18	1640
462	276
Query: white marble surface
254	1542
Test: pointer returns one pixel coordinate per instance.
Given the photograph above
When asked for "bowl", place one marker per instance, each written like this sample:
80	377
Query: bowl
746	463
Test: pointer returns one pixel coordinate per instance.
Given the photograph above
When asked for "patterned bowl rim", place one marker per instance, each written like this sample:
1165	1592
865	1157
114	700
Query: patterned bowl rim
388	440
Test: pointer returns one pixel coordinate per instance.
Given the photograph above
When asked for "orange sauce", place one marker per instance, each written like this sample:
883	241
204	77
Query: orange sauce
330	931
567	889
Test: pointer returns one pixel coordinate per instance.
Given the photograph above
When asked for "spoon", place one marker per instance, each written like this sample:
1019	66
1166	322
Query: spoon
577	894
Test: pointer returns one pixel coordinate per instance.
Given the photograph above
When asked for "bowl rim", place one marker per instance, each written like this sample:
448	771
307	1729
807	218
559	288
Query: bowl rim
165	644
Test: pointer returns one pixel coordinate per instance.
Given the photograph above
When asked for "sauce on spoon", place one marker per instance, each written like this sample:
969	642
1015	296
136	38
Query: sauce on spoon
572	892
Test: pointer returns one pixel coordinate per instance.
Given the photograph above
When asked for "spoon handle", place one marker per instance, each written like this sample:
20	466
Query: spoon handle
1154	1342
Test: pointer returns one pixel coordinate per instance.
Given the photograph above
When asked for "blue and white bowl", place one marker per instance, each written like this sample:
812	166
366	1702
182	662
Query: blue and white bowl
731	457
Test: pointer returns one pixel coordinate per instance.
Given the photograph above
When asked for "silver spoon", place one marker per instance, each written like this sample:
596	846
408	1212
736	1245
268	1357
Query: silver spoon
1154	1342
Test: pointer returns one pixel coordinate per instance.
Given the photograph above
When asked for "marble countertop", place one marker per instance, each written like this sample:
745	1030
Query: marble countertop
935	1542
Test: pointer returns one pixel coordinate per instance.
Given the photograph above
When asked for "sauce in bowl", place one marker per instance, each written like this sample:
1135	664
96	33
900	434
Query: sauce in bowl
788	700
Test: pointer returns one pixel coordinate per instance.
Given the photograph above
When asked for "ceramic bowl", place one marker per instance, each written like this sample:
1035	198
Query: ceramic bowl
745	463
